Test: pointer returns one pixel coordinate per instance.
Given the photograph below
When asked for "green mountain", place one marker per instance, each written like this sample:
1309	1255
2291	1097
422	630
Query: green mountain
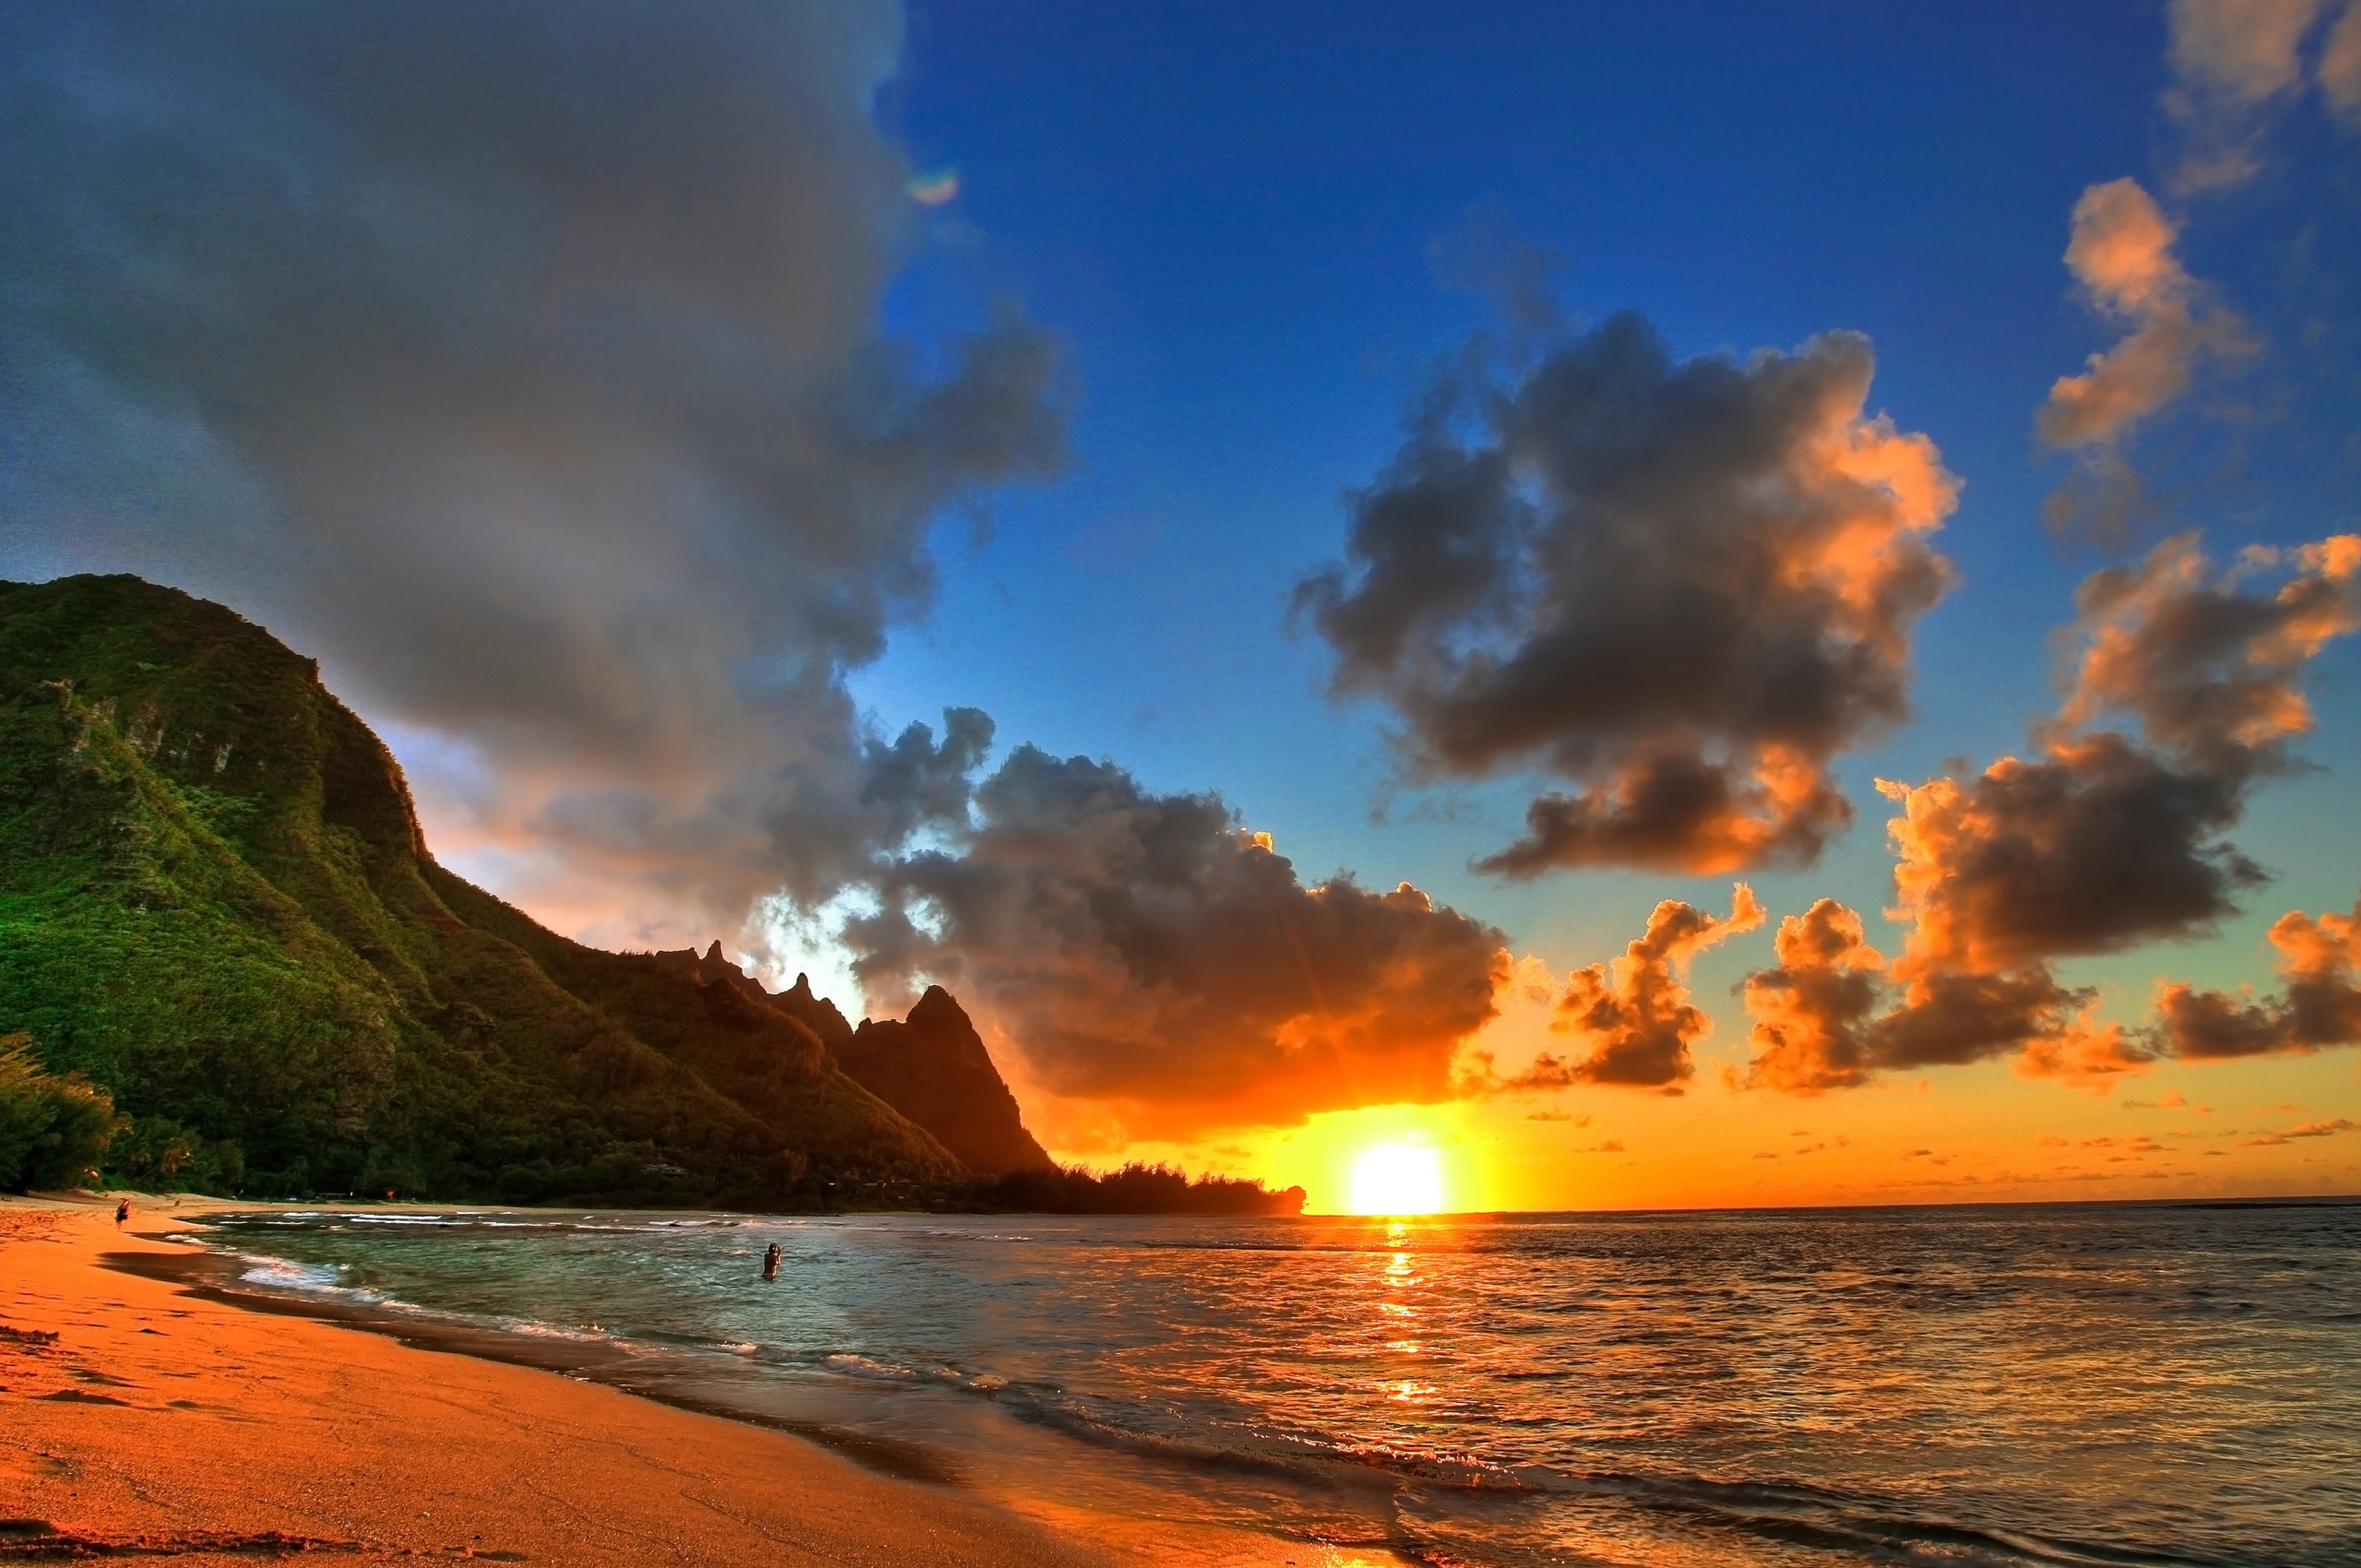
216	905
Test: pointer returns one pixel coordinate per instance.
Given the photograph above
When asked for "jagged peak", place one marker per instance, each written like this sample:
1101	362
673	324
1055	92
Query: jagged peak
933	1067
938	1003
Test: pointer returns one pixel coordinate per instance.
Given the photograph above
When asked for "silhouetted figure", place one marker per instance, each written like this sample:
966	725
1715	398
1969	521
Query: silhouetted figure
121	1212
770	1261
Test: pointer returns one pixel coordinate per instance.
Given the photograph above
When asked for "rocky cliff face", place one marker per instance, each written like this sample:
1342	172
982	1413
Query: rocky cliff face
817	1012
215	902
932	1067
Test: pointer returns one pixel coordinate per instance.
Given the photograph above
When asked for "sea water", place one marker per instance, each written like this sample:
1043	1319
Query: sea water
2093	1384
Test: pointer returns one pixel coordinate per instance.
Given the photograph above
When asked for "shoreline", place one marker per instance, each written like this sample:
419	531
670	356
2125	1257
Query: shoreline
305	1425
200	1271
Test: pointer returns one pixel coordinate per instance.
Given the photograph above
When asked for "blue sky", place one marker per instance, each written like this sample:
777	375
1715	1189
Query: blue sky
1233	213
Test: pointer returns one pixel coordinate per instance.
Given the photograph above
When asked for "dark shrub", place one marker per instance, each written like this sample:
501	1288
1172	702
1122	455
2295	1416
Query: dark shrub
53	1129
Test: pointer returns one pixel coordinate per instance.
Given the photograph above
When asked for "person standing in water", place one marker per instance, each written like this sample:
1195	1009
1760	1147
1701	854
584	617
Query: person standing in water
770	1261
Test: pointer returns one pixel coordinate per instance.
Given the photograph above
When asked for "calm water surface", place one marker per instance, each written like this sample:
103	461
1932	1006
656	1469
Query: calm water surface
2143	1384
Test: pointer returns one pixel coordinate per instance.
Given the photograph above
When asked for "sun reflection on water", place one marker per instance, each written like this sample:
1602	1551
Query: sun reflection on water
1400	1277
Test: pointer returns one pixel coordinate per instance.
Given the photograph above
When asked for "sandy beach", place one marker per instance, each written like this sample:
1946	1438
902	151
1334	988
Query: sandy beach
140	1418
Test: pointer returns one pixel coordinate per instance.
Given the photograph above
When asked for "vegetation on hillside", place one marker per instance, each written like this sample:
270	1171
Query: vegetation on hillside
228	963
215	905
53	1129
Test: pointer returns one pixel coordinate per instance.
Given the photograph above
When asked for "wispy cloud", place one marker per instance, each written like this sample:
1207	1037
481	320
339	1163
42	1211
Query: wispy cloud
2176	1100
2122	253
2308	1130
2235	63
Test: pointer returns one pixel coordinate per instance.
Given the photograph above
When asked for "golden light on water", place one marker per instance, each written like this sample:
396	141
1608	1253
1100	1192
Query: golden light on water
1397	1177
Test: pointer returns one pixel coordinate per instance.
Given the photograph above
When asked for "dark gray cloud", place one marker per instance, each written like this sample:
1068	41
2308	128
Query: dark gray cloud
523	360
2097	847
1141	950
1680	587
2103	842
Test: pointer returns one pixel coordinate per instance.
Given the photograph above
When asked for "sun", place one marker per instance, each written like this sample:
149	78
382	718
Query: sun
1398	1179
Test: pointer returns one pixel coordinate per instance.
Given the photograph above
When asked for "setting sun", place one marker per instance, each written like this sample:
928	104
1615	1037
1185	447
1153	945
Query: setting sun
1398	1179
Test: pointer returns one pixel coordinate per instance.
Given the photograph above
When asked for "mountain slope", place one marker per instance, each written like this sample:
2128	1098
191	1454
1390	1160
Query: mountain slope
932	1066
216	903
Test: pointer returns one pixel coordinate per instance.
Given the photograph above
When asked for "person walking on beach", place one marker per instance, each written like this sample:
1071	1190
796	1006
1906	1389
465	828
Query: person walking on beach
770	1261
121	1212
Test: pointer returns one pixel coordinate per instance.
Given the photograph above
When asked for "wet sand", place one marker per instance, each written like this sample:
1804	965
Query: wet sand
144	1411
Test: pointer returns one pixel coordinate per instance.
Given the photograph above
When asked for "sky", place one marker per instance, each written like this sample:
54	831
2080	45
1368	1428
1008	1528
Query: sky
1676	605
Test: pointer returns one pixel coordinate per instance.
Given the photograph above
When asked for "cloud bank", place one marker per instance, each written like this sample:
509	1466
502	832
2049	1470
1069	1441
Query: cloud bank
1682	587
1144	951
2101	842
523	360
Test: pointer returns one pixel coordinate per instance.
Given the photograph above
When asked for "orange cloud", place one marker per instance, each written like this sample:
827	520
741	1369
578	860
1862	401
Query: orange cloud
2121	253
2340	67
1810	1010
2099	843
1830	1014
2105	841
2172	1101
2244	50
2308	1130
1633	1013
2319	1004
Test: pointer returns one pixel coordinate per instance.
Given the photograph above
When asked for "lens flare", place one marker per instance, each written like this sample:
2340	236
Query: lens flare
1398	1179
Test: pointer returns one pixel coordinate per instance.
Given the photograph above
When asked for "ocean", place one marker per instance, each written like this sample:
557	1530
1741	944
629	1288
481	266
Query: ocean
2146	1383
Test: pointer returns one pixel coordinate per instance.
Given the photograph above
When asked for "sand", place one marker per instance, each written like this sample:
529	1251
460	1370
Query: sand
137	1419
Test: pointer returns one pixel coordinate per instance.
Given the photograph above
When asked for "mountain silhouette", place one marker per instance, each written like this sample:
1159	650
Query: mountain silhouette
932	1066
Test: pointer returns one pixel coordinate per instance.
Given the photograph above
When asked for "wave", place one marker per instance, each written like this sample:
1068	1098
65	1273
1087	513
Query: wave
506	1220
848	1363
1862	1528
1801	1515
323	1279
1496	1468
